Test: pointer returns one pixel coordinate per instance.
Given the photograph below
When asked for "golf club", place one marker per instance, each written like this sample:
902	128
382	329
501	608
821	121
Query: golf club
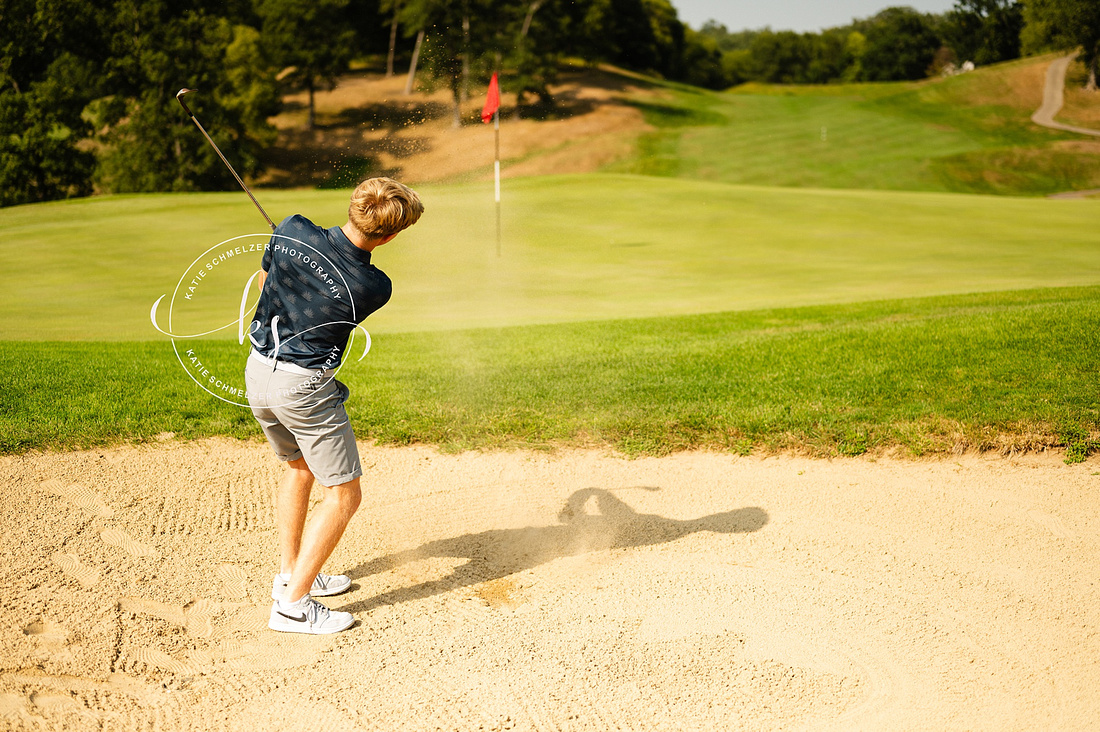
179	98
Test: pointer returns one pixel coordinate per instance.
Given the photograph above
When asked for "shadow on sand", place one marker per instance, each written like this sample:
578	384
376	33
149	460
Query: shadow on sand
499	553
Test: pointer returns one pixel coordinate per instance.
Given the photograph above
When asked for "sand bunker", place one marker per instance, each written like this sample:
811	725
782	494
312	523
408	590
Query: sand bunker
573	591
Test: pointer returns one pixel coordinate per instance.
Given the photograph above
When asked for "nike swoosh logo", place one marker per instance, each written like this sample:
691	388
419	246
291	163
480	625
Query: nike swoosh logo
299	619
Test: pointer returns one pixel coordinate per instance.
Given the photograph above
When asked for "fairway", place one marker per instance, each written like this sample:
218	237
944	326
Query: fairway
574	248
968	134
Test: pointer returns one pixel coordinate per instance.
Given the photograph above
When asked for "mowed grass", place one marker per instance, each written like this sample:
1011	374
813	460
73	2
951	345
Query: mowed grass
575	248
970	133
1007	371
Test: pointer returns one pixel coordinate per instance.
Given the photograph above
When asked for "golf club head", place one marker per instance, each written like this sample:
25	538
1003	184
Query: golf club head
179	98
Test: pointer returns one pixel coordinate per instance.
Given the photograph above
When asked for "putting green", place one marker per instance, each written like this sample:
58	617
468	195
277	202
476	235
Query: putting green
574	248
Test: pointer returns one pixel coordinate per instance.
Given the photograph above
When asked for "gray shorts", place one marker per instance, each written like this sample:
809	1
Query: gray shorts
303	416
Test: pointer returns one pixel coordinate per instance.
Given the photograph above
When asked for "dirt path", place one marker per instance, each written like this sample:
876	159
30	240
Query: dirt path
1054	98
1077	194
573	591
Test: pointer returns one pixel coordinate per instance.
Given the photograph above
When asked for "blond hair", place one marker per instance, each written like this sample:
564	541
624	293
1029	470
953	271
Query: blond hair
382	206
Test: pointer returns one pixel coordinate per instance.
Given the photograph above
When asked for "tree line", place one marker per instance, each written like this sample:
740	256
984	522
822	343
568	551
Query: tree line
900	43
86	89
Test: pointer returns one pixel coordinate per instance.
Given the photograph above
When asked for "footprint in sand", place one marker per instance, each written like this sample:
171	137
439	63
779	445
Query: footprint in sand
56	704
200	615
123	541
11	704
71	565
65	707
274	654
79	495
47	632
197	617
1051	523
160	659
138	606
233	581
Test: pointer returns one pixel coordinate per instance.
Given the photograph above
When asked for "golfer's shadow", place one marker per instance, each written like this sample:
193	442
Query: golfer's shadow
498	553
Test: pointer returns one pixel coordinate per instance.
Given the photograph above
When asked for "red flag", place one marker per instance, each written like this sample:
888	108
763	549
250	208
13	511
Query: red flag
492	100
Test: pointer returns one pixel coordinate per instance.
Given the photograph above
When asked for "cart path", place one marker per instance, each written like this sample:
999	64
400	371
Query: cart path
1054	98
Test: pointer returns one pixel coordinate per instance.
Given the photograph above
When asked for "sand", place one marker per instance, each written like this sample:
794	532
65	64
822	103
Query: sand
369	117
573	590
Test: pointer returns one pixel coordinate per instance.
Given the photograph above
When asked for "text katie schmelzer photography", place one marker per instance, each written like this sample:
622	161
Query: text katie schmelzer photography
220	269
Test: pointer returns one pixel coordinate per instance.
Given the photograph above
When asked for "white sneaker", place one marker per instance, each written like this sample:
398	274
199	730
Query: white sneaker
323	585
308	616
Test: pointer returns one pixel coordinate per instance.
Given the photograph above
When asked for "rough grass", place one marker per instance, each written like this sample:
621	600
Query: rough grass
1082	107
1059	167
1004	371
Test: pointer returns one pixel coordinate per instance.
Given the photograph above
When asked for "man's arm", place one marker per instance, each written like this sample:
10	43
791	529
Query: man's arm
261	280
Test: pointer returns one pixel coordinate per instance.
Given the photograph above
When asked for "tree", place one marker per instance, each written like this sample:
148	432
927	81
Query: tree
829	57
39	160
533	65
78	76
668	37
780	58
901	45
371	21
540	33
984	31
149	144
855	46
460	37
1064	24
47	75
393	7
619	31
314	37
727	41
738	66
701	62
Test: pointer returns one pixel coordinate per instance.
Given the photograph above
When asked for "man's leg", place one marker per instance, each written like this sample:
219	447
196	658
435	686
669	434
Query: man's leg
315	545
292	505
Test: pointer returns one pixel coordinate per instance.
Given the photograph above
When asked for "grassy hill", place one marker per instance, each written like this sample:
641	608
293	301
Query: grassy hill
969	134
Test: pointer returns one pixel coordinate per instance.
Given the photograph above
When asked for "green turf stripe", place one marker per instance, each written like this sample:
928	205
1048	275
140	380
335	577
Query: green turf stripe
990	370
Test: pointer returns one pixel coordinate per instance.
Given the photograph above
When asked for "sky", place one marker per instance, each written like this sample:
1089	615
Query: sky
797	15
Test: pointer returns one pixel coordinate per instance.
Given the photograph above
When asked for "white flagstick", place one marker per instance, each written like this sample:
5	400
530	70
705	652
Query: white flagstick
496	170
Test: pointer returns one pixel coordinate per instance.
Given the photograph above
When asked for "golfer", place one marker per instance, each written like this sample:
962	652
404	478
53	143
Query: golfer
316	286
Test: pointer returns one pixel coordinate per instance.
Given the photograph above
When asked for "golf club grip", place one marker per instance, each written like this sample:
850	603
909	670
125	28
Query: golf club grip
219	152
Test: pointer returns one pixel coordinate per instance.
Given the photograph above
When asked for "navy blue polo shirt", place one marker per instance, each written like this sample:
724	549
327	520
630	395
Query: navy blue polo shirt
319	285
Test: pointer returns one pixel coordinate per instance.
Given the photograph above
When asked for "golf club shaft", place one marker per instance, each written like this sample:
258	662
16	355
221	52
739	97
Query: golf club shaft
179	98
